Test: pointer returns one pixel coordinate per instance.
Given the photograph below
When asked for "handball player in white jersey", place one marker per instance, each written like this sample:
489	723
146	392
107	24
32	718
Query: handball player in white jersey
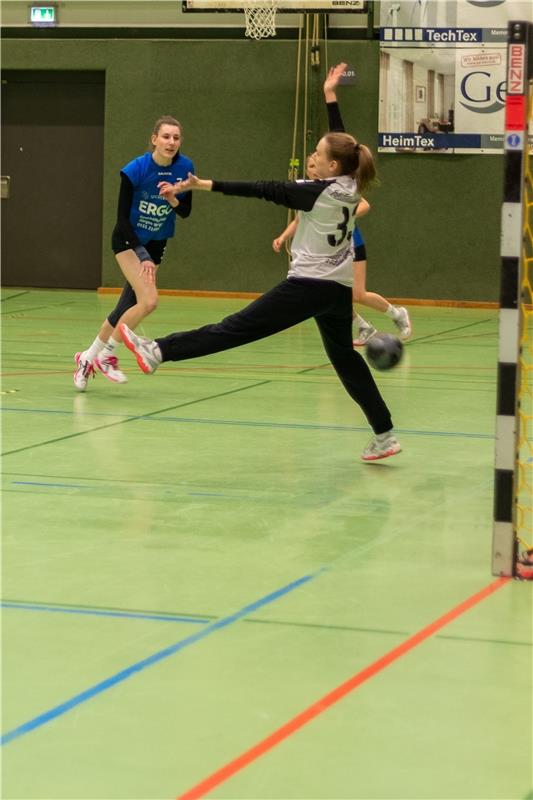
363	330
318	284
398	314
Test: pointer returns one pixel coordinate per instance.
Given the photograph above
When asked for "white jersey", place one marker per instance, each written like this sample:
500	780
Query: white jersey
322	247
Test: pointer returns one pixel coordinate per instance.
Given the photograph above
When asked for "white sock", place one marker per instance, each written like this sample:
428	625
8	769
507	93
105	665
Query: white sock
92	351
382	437
360	322
109	349
392	312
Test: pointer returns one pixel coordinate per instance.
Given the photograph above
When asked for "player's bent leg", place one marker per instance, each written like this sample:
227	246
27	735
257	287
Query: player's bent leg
138	299
126	301
355	375
358	381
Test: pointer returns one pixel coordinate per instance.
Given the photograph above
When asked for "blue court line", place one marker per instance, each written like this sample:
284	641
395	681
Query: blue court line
138	666
310	426
99	613
261	424
55	485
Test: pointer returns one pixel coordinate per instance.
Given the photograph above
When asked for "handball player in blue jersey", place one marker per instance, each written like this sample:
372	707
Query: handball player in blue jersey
146	218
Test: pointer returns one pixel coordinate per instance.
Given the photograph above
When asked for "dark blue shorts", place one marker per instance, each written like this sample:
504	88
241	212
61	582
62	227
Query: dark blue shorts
156	247
358	245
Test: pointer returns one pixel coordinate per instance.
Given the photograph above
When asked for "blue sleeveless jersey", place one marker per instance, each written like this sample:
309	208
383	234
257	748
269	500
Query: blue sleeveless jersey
151	216
357	238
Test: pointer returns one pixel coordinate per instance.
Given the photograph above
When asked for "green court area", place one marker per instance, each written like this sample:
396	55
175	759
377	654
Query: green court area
192	560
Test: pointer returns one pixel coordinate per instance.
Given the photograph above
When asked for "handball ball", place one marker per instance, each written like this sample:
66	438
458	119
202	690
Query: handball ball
384	351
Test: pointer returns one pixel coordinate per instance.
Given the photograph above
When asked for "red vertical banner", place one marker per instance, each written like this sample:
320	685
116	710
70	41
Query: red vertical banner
515	112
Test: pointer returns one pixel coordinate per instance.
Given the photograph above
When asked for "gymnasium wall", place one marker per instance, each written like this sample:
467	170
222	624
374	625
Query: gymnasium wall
433	231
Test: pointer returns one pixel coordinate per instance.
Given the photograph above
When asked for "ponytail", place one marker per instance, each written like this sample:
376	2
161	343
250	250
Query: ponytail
365	174
354	159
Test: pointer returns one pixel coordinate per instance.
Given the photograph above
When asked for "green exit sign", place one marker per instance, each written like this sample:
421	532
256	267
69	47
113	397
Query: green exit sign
43	15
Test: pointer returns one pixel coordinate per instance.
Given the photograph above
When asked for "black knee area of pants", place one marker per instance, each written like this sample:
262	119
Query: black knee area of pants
126	300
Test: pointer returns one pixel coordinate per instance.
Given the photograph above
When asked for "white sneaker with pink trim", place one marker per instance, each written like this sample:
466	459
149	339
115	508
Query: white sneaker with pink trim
108	366
382	445
146	351
82	373
364	335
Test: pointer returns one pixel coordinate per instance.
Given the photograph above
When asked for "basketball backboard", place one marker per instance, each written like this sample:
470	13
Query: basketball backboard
295	6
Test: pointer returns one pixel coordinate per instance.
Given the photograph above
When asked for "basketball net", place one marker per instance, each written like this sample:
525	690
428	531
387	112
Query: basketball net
260	16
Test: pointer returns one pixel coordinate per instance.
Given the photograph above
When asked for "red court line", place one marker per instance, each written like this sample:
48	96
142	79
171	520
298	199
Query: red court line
297	722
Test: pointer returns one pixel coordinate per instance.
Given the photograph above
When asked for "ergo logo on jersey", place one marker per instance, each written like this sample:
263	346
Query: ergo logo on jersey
476	87
153	210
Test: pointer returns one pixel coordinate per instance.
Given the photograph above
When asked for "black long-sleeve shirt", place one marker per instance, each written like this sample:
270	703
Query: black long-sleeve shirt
321	247
335	123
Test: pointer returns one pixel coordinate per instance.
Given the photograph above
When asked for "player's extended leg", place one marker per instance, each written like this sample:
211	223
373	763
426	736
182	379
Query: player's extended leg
290	302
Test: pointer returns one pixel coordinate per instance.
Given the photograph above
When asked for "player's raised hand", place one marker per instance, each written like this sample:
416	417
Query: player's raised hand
333	77
192	183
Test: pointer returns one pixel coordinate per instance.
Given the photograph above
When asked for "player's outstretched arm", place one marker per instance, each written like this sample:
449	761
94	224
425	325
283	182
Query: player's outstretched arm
191	183
291	194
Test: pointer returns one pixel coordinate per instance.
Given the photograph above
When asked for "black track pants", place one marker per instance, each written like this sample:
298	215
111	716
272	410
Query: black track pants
290	302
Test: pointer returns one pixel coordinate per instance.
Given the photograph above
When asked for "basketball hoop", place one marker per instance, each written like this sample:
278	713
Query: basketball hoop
260	18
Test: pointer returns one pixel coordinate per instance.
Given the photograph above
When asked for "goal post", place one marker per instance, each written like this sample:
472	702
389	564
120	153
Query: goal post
513	479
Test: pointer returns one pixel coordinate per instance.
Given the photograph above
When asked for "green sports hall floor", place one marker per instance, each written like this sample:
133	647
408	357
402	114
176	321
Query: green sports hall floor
206	593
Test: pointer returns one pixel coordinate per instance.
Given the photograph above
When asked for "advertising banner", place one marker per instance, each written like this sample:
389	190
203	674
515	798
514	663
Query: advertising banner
443	74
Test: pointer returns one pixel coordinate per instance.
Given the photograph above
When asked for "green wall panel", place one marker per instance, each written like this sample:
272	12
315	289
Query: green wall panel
434	227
